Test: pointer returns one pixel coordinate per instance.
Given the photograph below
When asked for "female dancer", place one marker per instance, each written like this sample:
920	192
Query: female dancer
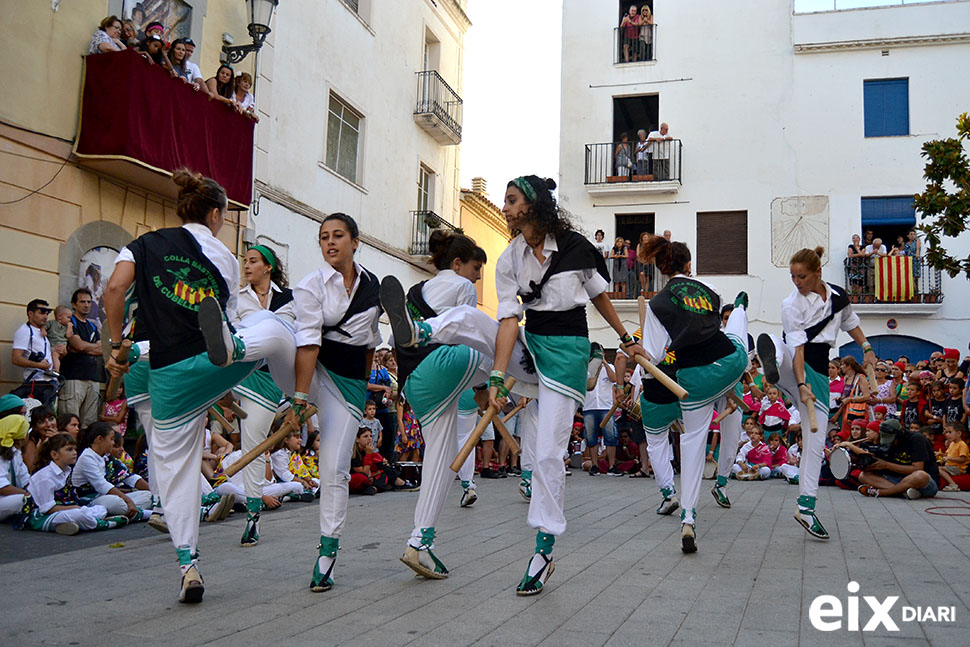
548	273
433	378
812	316
684	318
337	309
266	289
172	271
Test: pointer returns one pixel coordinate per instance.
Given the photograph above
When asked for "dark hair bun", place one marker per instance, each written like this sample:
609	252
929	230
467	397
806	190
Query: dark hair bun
187	180
439	240
550	183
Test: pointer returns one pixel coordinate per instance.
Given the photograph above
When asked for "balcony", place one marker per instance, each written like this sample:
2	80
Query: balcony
612	168
893	285
138	124
422	224
635	49
439	109
628	283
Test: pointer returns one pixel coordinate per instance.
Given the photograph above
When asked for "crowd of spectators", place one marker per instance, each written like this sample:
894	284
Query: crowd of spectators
646	159
629	278
861	258
227	87
636	34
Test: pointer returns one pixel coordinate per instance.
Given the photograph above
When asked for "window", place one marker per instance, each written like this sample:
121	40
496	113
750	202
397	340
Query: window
343	139
425	189
361	8
888	217
886	107
722	242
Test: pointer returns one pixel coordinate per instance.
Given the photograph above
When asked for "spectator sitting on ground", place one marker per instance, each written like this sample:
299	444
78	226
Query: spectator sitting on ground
81	369
754	459
220	85
779	455
89	477
627	456
43	425
301	473
59	330
14	475
69	423
661	151
119	455
242	97
32	352
107	37
957	455
280	461
909	468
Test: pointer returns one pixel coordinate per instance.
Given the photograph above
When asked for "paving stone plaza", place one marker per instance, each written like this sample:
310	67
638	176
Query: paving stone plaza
620	577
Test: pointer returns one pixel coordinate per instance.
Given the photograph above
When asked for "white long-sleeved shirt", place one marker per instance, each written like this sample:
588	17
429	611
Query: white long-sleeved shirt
517	266
249	303
44	482
447	290
89	470
14	472
280	462
320	299
800	311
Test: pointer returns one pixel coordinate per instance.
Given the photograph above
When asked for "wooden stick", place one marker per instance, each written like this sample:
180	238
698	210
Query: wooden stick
115	382
731	408
221	420
661	377
477	432
509	438
812	418
236	409
642	311
284	430
738	402
609	416
511	414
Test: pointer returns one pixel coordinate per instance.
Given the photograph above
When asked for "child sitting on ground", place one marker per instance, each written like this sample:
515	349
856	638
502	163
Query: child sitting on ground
298	468
89	477
59	330
371	422
54	505
14	476
280	462
957	455
754	458
790	469
773	417
779	455
311	455
214	448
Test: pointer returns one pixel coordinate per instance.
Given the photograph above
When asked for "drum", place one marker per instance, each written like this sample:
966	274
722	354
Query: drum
410	472
710	470
840	462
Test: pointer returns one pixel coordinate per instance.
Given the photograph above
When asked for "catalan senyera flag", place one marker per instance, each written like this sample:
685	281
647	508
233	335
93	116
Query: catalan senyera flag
894	278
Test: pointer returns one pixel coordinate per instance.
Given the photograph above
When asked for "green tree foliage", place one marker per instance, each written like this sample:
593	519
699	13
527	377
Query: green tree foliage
945	204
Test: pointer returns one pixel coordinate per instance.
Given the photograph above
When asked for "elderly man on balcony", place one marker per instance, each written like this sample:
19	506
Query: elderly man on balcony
660	149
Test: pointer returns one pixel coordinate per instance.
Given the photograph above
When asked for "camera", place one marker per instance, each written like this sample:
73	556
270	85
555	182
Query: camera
36	356
865	461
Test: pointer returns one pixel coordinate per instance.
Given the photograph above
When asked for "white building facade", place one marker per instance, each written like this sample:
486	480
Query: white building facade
360	112
789	130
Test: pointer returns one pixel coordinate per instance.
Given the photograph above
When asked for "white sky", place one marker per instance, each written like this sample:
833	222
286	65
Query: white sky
511	92
511	88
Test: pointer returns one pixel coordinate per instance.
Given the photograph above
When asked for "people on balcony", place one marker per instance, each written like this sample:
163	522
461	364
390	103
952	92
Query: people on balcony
621	155
178	58
618	255
220	85
660	150
153	49
630	32
913	248
646	34
855	264
107	37
129	33
643	153
242	97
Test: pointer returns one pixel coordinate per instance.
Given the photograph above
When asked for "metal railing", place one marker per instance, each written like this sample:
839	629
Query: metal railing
860	281
629	282
436	97
636	48
611	162
422	224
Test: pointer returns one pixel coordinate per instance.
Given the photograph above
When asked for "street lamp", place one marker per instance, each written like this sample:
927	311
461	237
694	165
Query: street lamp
260	14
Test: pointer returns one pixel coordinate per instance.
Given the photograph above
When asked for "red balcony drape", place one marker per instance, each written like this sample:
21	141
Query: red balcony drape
136	111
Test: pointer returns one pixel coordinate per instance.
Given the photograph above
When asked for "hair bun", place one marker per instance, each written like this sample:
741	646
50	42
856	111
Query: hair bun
438	239
820	251
186	179
550	183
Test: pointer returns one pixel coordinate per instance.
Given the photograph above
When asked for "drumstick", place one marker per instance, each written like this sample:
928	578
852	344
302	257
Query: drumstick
220	419
477	432
115	382
284	430
661	377
237	410
509	438
738	402
511	414
728	410
609	414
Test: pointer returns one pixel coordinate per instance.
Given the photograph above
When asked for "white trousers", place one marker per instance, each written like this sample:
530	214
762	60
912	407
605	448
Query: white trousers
466	424
547	442
338	430
176	472
10	505
661	453
791	471
143	410
813	444
254	430
763	472
116	505
730	435
270	489
86	517
440	448
268	337
527	422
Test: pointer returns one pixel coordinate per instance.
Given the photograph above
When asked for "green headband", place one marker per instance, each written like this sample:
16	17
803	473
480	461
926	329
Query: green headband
526	188
267	254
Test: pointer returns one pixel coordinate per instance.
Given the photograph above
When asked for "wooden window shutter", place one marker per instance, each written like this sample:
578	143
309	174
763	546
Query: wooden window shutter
722	242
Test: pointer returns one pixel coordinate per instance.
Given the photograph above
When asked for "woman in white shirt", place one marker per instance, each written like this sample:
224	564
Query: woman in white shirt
337	310
812	316
185	282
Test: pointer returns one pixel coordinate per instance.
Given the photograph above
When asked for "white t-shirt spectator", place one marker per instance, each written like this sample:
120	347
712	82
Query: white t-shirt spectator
601	396
248	102
192	71
604	248
30	339
660	150
881	251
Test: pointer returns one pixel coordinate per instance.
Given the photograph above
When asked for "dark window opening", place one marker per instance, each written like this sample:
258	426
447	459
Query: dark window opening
631	114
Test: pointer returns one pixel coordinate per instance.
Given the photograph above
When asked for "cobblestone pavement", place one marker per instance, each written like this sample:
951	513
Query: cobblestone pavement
620	576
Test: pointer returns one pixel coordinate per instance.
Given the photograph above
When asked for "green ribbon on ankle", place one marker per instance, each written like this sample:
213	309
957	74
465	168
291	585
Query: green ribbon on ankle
544	542
329	546
721	480
806	503
427	537
254	505
465	484
186	555
526	475
667	492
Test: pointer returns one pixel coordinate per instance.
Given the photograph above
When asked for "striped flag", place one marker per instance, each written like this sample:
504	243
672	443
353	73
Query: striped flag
894	278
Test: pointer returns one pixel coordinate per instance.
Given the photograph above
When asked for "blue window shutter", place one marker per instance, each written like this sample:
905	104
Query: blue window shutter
886	107
892	211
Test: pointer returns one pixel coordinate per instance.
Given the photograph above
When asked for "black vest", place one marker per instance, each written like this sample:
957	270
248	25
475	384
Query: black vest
690	312
172	276
655	392
348	360
408	359
574	253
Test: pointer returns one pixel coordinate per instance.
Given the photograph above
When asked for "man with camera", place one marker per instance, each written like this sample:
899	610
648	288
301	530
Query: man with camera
906	465
32	352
